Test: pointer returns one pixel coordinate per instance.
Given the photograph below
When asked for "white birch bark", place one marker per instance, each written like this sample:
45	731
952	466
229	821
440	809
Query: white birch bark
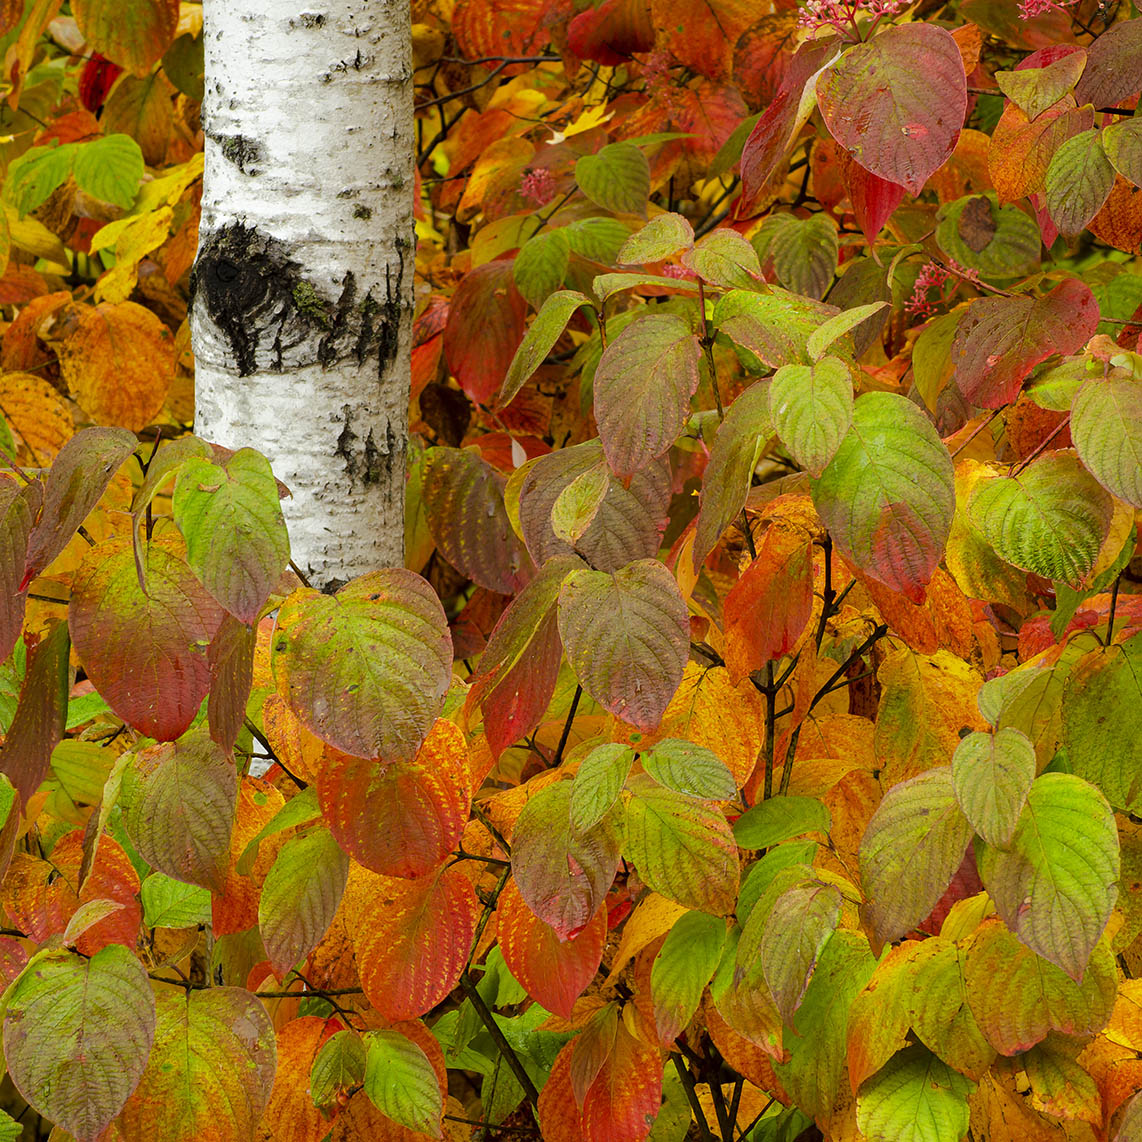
301	316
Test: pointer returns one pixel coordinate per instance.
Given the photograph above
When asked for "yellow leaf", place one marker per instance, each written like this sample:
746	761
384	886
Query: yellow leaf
133	242
38	416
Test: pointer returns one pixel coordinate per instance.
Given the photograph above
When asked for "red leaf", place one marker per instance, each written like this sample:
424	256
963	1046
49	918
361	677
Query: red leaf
399	818
623	1101
518	700
146	652
554	971
612	32
96	80
486	323
769	606
873	198
18	509
411	938
1002	339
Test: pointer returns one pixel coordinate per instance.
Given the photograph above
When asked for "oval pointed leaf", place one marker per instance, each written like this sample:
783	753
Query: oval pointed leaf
643	386
682	848
812	408
888	495
1051	518
1079	181
540	266
145	652
464	500
577	505
18	509
726	259
366	669
770	822
411	938
836	327
77	1033
300	897
563	875
627	638
775	326
683	967
910	851
338	1065
598	782
554	971
169	903
1123	143
180	800
690	769
541	335
1056	884
1106	425
399	818
210	1072
915	1097
401	1082
617	178
231	518
133	33
992	775
897	102
661	238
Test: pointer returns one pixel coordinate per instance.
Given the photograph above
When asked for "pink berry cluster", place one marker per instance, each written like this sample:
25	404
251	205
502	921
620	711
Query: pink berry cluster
1029	9
538	186
843	14
931	277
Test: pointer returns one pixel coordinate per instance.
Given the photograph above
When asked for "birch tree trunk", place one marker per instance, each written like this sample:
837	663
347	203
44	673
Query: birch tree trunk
302	291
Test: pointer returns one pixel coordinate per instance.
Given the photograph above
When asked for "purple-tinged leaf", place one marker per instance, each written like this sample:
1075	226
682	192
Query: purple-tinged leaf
888	495
897	102
643	385
484	330
77	479
627	638
18	509
77	1033
231	659
367	669
145	653
179	803
775	326
38	726
464	500
1113	66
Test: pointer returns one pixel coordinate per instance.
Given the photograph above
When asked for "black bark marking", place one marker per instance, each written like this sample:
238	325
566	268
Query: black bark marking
244	153
368	464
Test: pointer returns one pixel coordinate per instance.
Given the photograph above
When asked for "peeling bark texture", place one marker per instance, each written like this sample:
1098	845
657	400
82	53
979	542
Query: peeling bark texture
302	291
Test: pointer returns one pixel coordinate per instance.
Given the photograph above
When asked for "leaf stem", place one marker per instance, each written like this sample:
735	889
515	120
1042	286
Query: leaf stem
557	760
1113	608
468	986
692	1097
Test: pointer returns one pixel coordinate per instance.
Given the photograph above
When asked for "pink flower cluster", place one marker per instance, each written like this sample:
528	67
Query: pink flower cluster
538	186
1029	9
843	14
930	277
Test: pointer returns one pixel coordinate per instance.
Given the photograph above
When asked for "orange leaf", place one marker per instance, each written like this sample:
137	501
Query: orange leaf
558	1110
623	1101
769	606
1022	148
411	937
236	908
553	971
118	363
300	751
702	33
291	1115
944	619
22	350
399	819
1119	222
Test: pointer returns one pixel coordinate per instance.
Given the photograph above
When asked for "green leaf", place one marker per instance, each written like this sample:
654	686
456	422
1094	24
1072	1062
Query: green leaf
179	801
774	326
762	873
888	495
803	251
541	335
1057	882
837	327
170	903
682	848
1102	722
992	775
110	169
643	386
598	782
627	638
211	1068
1057	387
401	1082
540	266
770	822
605	286
897	102
1051	518
338	1065
915	1097
35	174
231	518
300	897
685	964
367	669
563	874
724	258
812	408
617	178
299	810
1123	144
77	1033
738	446
912	847
1034	89
13	1131
1106	424
997	241
577	504
597	239
690	769
1079	180
662	237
